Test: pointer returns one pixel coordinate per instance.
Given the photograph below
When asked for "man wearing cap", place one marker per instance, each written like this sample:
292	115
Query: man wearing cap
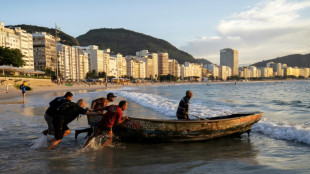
97	104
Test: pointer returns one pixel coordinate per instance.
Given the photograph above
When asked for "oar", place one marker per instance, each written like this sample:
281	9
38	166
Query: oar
197	117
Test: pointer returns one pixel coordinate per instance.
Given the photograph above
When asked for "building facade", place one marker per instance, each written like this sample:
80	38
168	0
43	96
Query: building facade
230	58
44	51
18	39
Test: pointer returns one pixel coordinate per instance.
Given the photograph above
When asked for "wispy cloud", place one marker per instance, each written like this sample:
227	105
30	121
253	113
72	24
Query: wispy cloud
267	30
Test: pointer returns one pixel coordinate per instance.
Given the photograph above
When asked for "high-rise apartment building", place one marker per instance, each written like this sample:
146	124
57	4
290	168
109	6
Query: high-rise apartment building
230	58
163	64
19	39
44	51
95	58
173	66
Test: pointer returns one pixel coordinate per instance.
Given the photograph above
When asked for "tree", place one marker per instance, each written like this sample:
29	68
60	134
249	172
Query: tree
91	74
10	56
101	74
49	72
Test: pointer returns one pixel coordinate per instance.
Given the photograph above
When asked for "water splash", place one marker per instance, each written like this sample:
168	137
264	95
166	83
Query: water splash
41	142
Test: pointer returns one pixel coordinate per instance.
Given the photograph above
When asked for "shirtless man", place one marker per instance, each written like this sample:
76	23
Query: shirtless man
97	104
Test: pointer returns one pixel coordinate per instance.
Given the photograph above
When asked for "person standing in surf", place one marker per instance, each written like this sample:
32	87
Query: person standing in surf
182	112
23	88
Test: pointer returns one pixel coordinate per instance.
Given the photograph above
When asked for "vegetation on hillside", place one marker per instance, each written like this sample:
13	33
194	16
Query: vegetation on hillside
291	61
65	38
128	42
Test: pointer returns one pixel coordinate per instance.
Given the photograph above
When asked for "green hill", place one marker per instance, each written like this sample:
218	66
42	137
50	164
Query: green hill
128	42
291	61
65	38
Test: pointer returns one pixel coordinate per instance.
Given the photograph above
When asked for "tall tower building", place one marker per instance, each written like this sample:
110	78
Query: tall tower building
163	63
230	58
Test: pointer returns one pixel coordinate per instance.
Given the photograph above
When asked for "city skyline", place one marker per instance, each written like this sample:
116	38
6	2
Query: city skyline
258	29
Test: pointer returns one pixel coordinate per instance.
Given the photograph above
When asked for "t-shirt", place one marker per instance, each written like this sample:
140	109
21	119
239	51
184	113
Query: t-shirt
66	113
70	111
113	115
54	104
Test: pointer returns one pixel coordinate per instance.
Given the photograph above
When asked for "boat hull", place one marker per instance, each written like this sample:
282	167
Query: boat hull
150	130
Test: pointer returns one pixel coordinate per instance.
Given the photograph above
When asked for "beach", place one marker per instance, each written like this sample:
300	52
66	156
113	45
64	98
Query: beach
278	143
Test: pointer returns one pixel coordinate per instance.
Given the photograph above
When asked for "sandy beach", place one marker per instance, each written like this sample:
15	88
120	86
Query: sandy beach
12	92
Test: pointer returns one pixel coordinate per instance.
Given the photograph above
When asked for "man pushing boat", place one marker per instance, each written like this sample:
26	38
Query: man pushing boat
99	103
182	112
113	116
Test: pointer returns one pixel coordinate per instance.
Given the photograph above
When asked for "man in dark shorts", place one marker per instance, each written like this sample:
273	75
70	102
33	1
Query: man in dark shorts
52	110
99	103
182	112
66	113
113	116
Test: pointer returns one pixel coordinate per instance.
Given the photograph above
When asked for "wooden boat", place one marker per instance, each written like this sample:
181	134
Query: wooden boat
151	130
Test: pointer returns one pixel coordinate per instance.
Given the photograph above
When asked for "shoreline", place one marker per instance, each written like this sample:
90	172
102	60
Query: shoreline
37	90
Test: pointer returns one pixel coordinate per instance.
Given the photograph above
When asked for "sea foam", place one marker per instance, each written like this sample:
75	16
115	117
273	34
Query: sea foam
283	131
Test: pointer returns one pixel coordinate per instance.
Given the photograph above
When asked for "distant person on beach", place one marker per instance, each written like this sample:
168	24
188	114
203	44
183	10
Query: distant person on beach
66	113
52	110
97	104
112	117
182	112
23	88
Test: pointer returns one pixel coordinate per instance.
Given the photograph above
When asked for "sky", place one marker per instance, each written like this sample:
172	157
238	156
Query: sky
258	29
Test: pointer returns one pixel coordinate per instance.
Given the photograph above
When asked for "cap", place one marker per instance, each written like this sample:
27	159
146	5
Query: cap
111	95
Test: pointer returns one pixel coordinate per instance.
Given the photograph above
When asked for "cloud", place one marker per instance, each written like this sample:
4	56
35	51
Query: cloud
268	30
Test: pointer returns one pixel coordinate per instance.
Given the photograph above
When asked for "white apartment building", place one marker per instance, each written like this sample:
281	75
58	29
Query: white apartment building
213	68
191	70
266	72
95	57
44	51
19	39
253	71
224	72
173	67
113	70
130	66
151	60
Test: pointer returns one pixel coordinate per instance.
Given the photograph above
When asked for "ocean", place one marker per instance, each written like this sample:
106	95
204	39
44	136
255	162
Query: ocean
278	143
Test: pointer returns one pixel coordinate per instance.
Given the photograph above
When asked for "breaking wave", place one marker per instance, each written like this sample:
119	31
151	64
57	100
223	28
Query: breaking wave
283	131
167	107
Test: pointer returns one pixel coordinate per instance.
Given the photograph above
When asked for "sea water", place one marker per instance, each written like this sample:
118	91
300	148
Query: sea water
279	143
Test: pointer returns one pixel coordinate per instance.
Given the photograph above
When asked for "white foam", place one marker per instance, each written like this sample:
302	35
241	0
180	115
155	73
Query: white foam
168	107
41	142
283	131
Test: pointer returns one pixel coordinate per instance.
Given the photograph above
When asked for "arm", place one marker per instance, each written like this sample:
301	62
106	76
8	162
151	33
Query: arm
120	120
91	113
93	103
101	109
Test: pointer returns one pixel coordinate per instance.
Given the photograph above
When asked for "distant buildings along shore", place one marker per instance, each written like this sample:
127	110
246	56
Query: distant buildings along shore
42	50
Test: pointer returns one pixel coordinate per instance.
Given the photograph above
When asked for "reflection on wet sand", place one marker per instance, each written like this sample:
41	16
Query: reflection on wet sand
139	157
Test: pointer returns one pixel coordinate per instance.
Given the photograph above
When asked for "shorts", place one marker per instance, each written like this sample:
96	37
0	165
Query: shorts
49	121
